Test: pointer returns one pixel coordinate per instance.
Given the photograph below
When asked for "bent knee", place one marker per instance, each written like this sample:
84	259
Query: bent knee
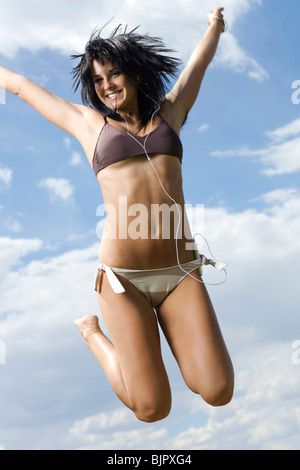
152	412
219	399
217	394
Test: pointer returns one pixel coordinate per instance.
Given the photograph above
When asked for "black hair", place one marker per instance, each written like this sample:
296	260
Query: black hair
141	57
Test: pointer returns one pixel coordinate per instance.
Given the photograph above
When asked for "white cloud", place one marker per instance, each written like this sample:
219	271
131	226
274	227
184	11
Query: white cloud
280	156
67	142
278	196
76	236
101	421
250	235
59	188
203	128
5	176
13	250
233	56
265	411
139	438
76	159
258	311
38	26
292	129
31	149
13	225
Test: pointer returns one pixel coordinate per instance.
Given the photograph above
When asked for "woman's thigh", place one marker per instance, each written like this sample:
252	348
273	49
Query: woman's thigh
133	328
189	322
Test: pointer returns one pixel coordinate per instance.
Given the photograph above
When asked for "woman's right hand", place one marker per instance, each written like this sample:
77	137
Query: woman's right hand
216	15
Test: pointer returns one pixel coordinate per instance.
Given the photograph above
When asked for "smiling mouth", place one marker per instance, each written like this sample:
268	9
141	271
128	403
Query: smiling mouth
113	96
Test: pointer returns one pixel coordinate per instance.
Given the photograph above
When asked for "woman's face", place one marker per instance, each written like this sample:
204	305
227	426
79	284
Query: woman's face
113	88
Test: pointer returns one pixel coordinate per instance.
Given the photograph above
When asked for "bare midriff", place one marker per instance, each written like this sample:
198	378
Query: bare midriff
141	220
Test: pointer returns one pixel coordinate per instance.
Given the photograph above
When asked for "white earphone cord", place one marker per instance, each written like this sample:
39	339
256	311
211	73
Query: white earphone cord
173	200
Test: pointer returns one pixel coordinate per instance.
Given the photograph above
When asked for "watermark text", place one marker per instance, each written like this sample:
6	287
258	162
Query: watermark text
2	353
296	94
139	221
296	353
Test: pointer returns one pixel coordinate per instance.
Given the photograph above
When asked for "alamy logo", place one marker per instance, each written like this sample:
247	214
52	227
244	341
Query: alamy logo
296	354
296	94
2	353
138	221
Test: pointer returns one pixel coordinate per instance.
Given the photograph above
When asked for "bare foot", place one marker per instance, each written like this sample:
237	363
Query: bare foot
88	326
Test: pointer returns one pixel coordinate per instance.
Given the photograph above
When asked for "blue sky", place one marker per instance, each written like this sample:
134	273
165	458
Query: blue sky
241	160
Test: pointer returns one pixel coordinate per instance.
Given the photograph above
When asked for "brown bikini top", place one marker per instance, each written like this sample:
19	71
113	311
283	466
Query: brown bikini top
114	145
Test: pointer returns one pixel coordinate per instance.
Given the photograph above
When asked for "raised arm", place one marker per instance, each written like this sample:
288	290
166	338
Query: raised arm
183	96
60	112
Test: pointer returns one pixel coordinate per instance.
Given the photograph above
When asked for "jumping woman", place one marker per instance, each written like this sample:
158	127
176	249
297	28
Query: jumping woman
129	128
